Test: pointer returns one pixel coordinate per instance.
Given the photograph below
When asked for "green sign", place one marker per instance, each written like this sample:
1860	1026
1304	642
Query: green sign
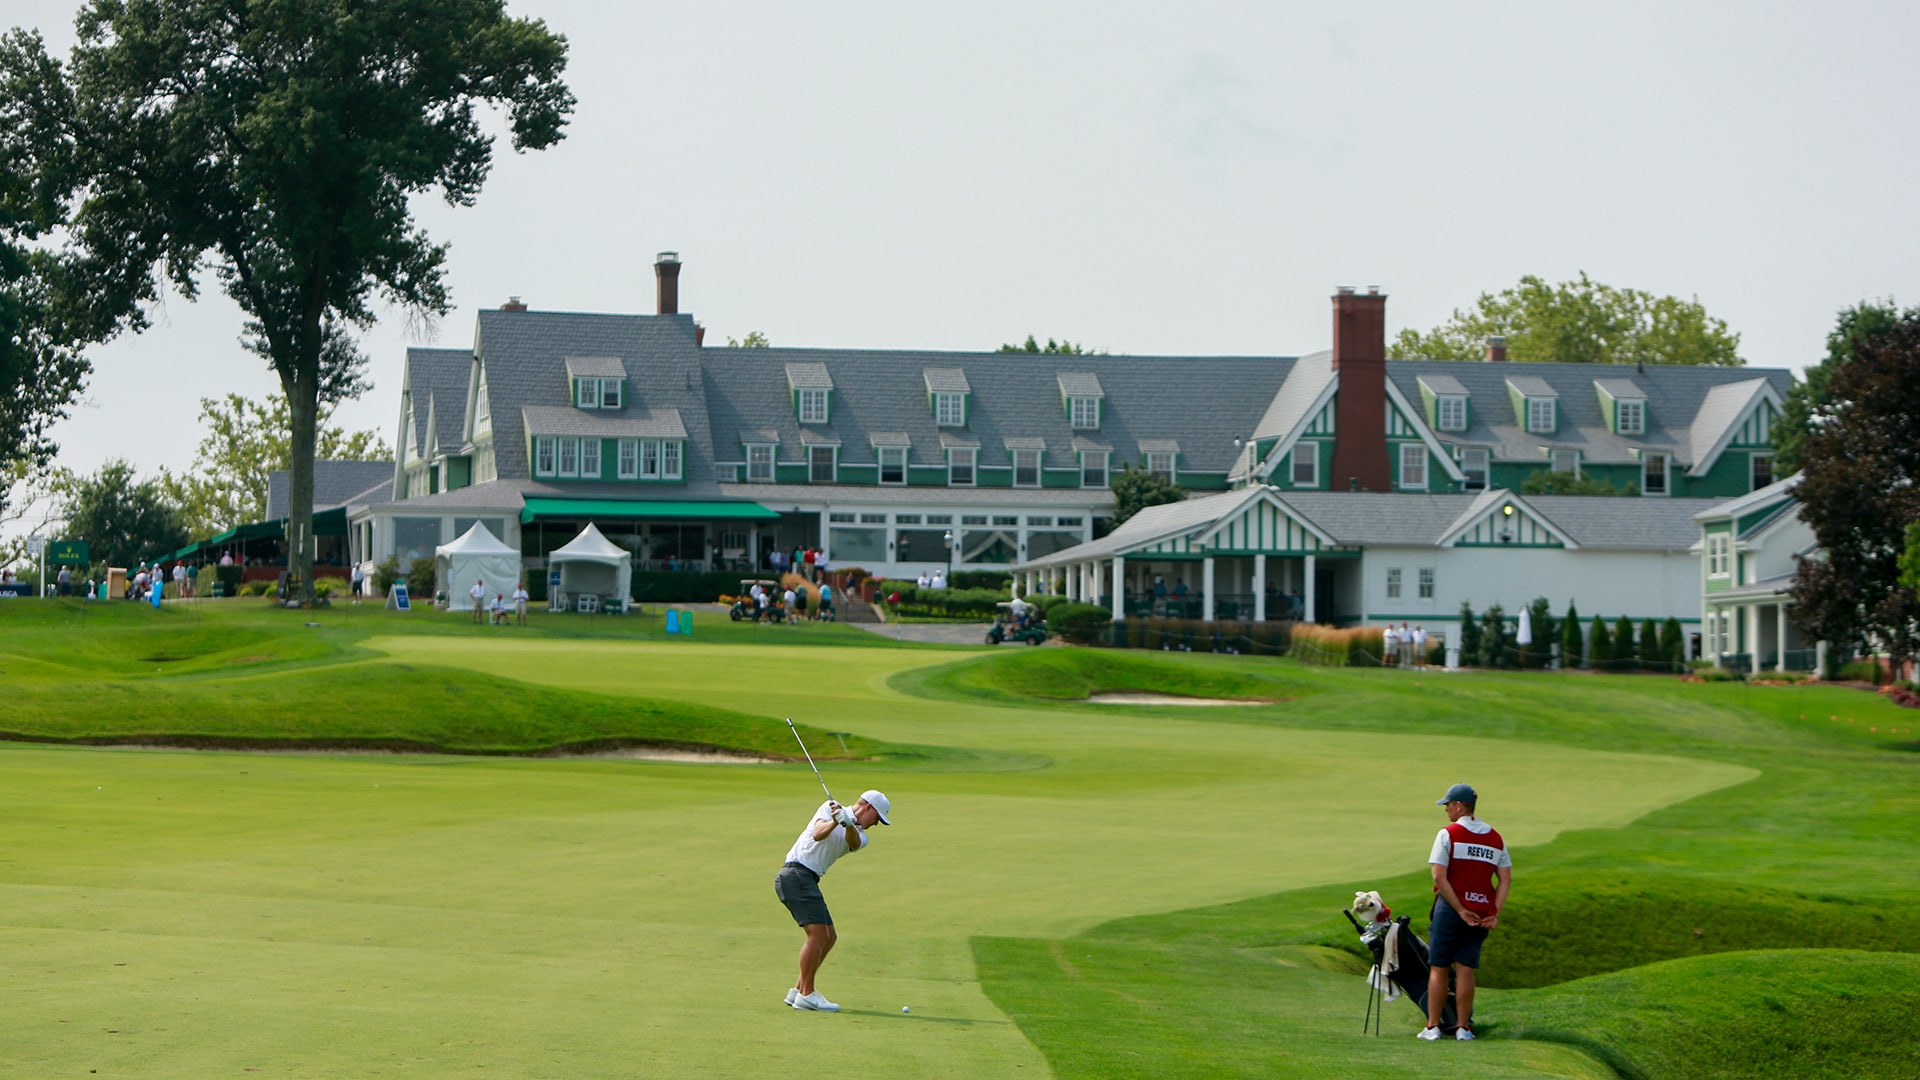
67	553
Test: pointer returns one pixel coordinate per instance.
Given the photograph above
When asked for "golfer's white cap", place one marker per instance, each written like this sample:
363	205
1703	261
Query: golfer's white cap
880	804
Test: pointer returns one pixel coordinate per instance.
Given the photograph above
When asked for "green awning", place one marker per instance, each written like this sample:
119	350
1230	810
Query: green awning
626	510
330	522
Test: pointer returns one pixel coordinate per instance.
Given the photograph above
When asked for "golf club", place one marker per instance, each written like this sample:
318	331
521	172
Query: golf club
803	749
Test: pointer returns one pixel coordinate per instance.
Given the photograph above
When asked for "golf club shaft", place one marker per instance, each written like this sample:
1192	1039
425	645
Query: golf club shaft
810	764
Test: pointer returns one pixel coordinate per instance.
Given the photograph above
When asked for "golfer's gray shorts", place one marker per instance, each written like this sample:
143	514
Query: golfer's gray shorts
1450	940
799	889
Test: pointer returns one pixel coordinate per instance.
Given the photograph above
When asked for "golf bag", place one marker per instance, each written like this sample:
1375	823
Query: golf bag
1410	976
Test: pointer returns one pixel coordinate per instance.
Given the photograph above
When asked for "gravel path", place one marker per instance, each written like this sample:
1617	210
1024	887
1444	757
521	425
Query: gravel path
938	633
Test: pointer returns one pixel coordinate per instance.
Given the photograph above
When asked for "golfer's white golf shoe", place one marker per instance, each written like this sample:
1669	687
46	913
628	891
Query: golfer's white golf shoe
814	1002
1431	1034
792	993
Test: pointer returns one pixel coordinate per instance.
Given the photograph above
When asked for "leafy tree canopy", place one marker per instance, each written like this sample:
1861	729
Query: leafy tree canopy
1063	347
1577	322
1566	483
278	146
245	442
1135	489
125	521
1859	491
754	340
1809	395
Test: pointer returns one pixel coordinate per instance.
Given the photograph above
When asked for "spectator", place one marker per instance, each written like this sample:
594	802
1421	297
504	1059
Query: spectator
1419	646
790	599
479	594
820	563
923	581
226	558
939	579
520	603
826	601
498	609
66	581
1389	645
807	556
193	579
800	603
359	580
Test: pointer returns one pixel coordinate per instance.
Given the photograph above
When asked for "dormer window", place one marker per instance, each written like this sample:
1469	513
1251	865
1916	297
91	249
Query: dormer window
1540	415
1451	413
950	409
1632	417
1084	413
947	390
1082	392
1534	403
598	382
812	403
610	393
812	390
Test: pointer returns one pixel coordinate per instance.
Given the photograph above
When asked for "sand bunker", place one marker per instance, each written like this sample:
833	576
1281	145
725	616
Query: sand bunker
1128	697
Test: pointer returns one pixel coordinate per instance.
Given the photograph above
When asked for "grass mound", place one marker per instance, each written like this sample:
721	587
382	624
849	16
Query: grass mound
1057	675
1830	1014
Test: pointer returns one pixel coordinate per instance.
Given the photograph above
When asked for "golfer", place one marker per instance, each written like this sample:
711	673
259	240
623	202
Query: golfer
1467	855
833	832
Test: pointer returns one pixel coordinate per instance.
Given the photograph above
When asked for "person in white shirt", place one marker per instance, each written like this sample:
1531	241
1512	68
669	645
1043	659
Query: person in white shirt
498	609
924	580
834	831
789	598
1420	646
1389	646
479	594
939	580
520	603
179	579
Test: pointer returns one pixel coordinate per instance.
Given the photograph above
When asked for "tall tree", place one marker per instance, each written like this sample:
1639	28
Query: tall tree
245	442
1577	322
1810	394
1135	489
1062	347
280	145
1859	490
124	520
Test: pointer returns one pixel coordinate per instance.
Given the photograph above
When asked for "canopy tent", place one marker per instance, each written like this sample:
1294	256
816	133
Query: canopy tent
594	565
476	556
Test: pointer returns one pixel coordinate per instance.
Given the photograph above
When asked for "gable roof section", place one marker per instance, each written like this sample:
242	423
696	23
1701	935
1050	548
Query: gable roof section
1080	384
1310	384
335	483
1485	522
436	386
1751	501
809	377
1417	418
947	380
1721	412
630	424
596	367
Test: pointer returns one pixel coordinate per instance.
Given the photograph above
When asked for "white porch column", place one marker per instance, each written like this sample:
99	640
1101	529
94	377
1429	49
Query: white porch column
1780	636
1753	637
1119	588
1259	588
1206	586
1307	602
1074	574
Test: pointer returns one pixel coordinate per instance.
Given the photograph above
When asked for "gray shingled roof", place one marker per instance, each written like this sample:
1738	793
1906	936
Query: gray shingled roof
1305	380
335	483
775	496
1733	508
525	353
1674	397
1721	407
437	381
1160	446
1081	384
1442	385
809	377
947	380
596	367
889	438
1532	386
607	424
1621	389
1013	443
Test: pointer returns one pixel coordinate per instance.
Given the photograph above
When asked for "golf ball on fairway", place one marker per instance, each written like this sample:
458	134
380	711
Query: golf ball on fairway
903	1008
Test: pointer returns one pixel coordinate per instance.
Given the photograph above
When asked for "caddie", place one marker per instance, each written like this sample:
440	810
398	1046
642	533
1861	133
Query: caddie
1467	857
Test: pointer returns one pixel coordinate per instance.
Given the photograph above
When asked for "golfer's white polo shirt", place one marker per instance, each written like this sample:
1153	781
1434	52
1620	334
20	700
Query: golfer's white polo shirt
817	855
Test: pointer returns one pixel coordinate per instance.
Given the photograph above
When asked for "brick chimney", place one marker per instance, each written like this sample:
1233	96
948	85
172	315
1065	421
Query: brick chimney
1360	409
666	270
1496	349
513	304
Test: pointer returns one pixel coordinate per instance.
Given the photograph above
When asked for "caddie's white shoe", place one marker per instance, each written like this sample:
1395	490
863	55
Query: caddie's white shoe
792	993
814	1002
1464	1033
1431	1034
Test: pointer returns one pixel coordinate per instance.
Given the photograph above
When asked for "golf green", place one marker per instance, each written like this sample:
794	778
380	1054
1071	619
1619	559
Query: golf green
175	913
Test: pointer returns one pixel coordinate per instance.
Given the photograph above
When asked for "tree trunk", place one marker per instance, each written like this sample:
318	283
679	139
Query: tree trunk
303	408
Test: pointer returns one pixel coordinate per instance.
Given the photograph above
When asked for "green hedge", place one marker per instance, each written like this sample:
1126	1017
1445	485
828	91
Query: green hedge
686	587
1084	624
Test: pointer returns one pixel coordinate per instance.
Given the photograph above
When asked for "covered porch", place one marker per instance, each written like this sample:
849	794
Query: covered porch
1749	629
661	535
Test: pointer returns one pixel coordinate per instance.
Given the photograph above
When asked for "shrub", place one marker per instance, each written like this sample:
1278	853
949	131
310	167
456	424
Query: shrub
1650	657
1601	645
1720	674
999	581
1860	671
1623	650
1359	646
1540	653
1469	636
1673	644
385	574
327	586
1496	650
686	586
1083	624
1571	646
256	588
420	580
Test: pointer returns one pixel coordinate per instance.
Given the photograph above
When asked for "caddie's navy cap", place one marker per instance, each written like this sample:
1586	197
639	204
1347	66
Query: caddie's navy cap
1459	793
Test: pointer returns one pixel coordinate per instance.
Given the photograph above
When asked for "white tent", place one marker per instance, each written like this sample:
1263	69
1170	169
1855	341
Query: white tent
592	565
476	556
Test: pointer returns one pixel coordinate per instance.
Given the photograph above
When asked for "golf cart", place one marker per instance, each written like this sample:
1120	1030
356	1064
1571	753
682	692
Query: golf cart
1031	629
743	609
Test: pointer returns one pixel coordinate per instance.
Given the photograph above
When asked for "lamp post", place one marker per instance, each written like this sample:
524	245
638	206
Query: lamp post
948	537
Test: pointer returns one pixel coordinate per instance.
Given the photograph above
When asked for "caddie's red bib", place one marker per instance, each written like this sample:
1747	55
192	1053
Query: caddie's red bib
1470	869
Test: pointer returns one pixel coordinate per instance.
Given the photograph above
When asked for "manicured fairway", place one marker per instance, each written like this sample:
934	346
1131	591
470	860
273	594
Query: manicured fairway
188	913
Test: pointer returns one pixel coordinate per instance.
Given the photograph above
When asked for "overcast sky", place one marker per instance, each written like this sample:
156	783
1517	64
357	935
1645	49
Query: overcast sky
1143	178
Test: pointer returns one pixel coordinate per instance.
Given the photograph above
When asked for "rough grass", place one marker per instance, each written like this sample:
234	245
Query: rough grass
1067	675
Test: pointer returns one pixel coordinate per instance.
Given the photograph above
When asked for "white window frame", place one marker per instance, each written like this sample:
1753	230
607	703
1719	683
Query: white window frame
545	456
1450	412
1540	415
649	459
586	393
949	408
810	402
1393	583
1413	466
1467	456
1303	469
892	457
672	459
1719	550
1088	460
590	459
1556	457
1635	409
629	459
1646	471
569	457
963	466
610	393
1084	413
1164	464
1426	583
1025	460
813	464
755	453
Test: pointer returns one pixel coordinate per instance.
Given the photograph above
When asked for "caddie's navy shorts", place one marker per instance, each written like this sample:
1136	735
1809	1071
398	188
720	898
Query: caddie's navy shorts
799	888
1450	940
